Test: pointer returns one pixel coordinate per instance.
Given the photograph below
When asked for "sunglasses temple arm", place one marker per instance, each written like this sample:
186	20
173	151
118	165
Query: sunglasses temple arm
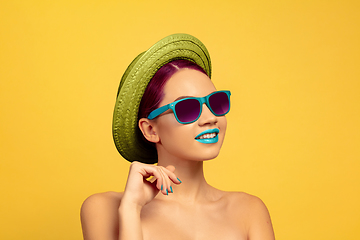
158	111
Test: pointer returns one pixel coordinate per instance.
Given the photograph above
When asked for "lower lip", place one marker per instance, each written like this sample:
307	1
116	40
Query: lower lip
209	140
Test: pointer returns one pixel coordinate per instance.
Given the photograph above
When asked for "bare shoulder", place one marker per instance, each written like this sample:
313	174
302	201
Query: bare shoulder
105	198
101	204
251	210
242	199
99	214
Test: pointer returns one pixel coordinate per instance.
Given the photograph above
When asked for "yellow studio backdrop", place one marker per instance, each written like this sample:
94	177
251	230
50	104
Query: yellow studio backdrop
293	131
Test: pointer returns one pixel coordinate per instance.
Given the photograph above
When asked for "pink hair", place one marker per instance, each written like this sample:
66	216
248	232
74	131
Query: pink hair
154	92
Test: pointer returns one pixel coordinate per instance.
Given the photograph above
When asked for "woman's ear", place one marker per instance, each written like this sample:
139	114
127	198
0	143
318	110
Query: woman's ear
148	130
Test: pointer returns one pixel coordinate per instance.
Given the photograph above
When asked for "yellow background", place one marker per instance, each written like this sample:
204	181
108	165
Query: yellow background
293	131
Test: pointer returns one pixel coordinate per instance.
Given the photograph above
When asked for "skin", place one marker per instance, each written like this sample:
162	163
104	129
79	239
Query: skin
194	210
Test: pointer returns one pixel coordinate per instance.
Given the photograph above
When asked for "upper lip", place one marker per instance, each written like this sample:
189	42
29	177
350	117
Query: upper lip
215	130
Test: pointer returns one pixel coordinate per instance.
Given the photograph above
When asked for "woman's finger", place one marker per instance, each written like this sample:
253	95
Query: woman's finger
166	189
167	183
148	170
172	175
163	176
171	168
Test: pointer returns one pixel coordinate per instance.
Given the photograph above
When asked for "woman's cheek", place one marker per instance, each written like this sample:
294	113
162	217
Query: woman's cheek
180	141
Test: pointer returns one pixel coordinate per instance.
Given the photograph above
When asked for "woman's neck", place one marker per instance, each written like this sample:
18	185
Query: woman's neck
194	187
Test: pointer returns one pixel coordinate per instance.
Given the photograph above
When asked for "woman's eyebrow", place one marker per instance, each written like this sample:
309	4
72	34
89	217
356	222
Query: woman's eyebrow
181	97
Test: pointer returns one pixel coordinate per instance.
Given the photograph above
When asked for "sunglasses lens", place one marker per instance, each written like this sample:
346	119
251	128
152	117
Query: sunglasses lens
219	103
187	110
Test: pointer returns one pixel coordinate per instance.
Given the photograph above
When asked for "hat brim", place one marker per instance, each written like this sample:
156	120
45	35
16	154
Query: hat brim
126	133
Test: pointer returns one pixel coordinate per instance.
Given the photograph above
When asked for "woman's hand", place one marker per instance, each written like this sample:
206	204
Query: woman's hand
140	191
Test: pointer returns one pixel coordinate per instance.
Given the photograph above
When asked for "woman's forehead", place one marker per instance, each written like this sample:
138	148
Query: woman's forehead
187	83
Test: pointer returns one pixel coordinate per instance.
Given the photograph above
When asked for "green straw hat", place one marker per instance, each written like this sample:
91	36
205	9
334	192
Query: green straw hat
126	133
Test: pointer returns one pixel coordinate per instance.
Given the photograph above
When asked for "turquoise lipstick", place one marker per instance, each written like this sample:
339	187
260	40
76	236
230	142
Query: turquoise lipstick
208	136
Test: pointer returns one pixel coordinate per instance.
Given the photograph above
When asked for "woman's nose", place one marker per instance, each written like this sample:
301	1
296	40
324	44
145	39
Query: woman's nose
207	117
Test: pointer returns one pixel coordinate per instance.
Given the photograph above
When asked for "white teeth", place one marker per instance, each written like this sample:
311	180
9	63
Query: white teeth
208	135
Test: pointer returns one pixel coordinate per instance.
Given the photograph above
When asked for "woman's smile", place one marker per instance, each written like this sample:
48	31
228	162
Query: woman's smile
196	141
208	136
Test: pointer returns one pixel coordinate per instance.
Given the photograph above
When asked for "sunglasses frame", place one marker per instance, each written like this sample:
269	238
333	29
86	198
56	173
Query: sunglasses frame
201	100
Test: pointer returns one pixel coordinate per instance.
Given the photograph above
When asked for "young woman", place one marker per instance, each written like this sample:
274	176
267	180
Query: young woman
179	122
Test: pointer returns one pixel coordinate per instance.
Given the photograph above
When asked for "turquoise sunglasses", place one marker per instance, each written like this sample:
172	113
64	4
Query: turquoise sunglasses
188	110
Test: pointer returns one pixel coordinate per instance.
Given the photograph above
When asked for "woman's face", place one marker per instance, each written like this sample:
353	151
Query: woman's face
179	140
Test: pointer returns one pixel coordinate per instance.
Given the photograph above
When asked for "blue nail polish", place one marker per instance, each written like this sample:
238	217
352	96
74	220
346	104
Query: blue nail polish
167	193
161	187
171	189
179	180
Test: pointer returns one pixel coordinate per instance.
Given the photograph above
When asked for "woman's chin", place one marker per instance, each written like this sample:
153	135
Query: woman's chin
205	155
211	155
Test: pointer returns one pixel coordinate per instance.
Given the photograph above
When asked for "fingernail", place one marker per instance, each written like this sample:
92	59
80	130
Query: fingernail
167	193
171	189
161	187
179	180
